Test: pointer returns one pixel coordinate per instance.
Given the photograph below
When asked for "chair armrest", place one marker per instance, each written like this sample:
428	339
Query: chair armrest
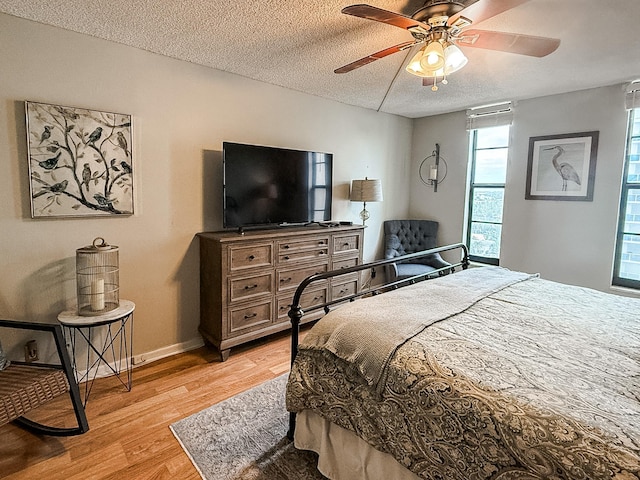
65	364
435	261
391	271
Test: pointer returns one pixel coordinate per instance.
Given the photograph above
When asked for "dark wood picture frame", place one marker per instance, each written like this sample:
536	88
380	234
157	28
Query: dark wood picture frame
562	167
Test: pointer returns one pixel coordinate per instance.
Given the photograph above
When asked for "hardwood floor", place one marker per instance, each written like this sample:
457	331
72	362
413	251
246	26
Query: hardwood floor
129	436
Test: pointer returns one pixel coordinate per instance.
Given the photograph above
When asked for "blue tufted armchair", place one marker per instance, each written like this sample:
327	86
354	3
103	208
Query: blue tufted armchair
402	237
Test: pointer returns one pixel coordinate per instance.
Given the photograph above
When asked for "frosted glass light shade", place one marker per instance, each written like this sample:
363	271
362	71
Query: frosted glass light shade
433	58
452	60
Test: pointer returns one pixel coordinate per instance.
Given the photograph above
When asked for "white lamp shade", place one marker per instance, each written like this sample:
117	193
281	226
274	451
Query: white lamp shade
367	190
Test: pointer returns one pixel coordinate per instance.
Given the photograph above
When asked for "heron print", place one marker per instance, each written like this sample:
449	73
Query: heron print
565	170
562	167
79	161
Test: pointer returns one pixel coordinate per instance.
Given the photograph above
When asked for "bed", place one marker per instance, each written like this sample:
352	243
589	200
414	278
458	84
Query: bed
483	373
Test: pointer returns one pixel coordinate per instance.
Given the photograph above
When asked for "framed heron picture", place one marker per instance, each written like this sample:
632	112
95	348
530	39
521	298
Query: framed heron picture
562	167
80	161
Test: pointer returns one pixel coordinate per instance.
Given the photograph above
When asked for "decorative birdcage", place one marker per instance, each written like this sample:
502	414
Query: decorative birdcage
97	277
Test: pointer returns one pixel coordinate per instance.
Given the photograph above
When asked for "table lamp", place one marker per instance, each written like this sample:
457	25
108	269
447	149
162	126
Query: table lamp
367	190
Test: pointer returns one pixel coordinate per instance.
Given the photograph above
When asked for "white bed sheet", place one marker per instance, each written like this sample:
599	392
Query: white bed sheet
330	442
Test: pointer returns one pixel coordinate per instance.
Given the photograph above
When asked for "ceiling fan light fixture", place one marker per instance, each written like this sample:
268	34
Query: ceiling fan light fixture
433	58
454	59
414	67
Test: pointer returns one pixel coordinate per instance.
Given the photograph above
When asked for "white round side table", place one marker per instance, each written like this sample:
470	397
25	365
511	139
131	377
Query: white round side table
113	349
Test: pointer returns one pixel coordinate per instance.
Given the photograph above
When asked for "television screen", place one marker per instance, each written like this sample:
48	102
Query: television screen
275	186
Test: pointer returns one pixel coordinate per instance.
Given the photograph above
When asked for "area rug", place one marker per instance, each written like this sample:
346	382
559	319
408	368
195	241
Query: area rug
245	438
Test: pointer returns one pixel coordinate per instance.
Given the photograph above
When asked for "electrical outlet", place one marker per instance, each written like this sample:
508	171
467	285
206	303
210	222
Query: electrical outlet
31	351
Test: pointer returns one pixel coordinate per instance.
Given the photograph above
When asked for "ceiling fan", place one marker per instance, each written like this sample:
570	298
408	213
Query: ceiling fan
441	26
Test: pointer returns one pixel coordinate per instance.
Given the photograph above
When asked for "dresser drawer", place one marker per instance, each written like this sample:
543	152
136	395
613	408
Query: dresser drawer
249	287
345	288
346	243
302	244
244	319
308	299
300	250
295	257
344	263
250	256
287	279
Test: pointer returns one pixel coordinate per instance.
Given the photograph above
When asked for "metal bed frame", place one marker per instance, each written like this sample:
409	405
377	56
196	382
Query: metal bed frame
296	311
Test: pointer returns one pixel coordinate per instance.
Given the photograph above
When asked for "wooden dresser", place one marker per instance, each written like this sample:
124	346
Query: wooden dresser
247	281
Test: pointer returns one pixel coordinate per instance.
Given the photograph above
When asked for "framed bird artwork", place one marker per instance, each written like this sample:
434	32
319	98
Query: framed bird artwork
80	161
562	167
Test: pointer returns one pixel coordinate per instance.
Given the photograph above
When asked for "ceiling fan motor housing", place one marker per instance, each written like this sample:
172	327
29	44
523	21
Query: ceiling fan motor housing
438	8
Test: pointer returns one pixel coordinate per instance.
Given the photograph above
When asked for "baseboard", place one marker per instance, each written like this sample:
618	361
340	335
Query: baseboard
149	357
164	352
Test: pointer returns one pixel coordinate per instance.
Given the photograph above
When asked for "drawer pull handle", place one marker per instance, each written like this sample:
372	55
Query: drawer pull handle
321	252
250	287
285	246
284	280
345	244
250	315
252	257
287	257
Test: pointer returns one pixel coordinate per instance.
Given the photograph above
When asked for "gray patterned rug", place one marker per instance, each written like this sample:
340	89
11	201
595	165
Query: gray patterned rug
244	438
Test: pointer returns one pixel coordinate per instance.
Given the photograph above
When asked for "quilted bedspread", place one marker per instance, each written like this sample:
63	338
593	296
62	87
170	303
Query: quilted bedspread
537	380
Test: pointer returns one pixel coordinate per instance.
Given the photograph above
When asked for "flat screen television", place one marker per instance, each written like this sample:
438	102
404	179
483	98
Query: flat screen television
269	186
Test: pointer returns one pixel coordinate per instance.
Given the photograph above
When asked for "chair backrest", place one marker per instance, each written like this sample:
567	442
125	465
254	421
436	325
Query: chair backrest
408	236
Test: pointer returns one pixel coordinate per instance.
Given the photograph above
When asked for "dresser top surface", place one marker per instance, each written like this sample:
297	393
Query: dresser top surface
234	235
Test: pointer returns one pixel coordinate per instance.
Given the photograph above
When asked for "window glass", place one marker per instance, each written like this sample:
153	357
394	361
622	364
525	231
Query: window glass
491	166
488	158
630	257
485	240
492	137
487	204
626	270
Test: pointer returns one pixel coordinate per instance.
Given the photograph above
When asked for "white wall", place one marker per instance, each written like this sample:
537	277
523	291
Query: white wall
181	113
566	241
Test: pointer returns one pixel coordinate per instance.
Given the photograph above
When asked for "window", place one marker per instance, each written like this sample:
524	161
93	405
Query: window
488	172
626	270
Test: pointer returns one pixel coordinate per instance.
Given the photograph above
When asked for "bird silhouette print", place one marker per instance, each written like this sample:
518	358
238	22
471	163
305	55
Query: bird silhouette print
86	175
95	135
46	133
565	170
122	143
50	163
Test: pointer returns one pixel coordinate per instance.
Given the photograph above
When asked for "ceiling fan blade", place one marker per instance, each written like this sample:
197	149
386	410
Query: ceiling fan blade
384	16
484	9
374	56
509	42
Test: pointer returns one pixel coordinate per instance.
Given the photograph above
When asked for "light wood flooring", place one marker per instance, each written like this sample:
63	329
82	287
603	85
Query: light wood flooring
129	436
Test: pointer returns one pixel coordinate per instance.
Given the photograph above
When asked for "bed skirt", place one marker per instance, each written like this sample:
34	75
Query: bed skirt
331	441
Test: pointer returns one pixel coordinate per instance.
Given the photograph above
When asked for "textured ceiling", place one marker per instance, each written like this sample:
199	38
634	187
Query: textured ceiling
298	44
